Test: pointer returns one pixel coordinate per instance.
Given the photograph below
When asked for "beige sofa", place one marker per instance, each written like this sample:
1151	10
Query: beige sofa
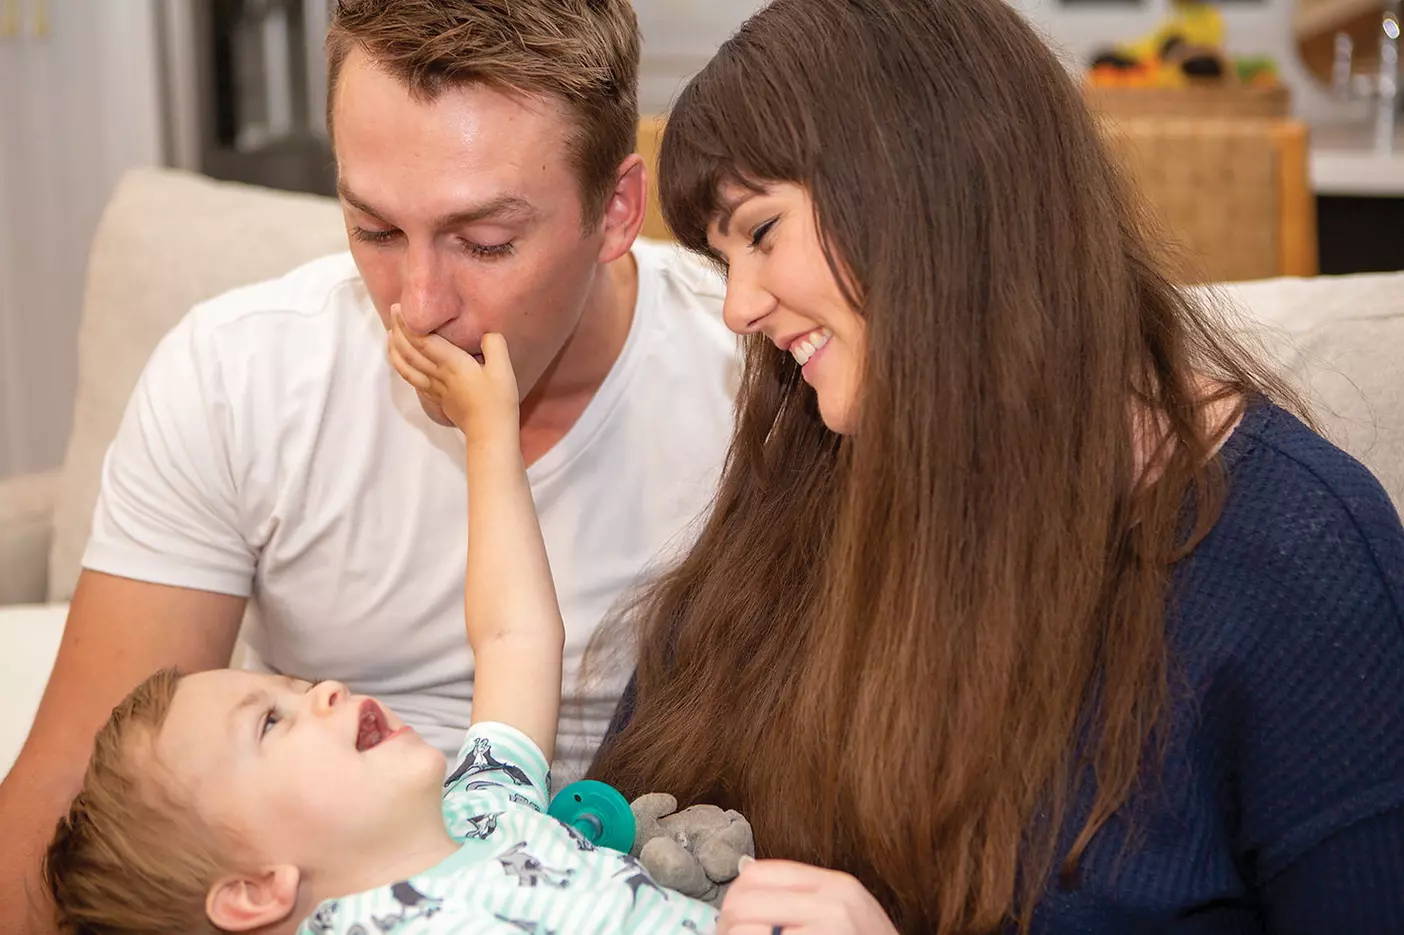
169	239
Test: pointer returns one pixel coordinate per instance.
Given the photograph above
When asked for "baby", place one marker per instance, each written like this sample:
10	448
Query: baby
233	801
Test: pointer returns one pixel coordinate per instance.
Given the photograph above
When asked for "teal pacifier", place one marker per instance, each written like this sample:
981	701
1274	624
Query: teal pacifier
598	812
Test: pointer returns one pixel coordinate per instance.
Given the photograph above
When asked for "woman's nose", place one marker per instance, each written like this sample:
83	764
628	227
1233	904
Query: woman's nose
745	305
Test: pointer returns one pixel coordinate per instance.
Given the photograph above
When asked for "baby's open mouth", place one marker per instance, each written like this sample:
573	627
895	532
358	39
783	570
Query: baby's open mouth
374	728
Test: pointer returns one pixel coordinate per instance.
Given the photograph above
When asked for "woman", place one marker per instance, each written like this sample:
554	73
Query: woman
1022	603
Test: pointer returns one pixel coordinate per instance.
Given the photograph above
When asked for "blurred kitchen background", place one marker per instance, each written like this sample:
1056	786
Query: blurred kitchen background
235	89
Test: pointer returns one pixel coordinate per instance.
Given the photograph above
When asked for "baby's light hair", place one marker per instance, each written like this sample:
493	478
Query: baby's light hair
130	856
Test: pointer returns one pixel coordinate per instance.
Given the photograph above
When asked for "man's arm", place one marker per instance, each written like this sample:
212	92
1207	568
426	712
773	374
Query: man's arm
119	631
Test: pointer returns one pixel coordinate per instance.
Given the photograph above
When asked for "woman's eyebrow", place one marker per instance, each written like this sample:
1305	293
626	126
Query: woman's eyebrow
728	208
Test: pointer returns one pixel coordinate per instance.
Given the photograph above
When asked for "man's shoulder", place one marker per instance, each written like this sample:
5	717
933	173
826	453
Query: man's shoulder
314	291
680	281
270	347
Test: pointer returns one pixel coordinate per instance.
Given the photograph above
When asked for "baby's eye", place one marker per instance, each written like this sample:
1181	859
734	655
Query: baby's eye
271	718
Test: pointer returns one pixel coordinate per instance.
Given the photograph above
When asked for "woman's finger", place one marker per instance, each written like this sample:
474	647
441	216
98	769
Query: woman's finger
802	899
790	875
755	928
763	906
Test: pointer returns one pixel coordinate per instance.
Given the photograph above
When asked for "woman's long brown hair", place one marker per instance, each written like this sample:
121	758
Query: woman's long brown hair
903	653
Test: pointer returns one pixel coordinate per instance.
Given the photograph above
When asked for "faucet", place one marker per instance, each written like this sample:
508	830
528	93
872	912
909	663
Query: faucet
1383	86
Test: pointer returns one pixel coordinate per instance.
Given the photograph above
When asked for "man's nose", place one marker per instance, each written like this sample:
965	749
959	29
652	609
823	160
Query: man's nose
328	696
428	300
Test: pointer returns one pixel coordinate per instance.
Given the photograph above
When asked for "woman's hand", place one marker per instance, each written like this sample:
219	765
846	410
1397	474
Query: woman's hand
480	398
797	899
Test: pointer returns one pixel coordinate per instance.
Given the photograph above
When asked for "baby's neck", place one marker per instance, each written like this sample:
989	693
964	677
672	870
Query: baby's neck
410	852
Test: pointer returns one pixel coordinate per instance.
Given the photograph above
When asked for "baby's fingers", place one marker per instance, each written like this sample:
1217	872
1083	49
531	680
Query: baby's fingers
414	377
409	348
495	353
496	359
444	354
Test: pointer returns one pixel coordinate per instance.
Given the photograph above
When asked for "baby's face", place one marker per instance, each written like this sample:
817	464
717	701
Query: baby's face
296	771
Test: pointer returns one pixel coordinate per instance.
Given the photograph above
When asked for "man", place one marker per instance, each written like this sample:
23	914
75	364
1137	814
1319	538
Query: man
269	452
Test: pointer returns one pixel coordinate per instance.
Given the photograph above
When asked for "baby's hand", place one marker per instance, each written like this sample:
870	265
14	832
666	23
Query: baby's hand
480	398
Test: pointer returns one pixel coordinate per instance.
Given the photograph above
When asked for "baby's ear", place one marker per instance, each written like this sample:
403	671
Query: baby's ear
246	902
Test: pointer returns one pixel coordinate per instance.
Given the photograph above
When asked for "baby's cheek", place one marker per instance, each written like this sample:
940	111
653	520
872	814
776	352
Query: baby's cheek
312	806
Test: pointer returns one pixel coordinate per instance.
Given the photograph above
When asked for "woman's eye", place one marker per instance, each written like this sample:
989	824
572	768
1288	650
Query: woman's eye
758	235
373	236
271	718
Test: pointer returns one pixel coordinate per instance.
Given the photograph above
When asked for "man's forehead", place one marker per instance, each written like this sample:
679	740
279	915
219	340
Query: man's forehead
369	96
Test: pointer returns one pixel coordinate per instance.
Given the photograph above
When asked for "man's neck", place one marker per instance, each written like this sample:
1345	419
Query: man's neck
568	385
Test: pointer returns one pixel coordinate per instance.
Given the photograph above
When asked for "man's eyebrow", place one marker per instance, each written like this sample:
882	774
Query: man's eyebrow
502	207
351	199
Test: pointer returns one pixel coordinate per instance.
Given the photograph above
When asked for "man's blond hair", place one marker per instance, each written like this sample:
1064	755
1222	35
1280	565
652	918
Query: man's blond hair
584	54
131	857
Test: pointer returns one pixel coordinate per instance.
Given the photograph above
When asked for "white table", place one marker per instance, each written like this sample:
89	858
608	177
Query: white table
29	640
1344	162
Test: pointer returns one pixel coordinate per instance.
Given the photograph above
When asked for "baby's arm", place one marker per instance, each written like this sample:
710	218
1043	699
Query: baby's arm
513	619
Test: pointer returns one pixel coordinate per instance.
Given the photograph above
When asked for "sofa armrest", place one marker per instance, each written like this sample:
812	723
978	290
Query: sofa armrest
26	527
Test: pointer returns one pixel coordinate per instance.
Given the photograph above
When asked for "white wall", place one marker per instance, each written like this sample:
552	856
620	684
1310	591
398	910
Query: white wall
680	34
678	38
79	108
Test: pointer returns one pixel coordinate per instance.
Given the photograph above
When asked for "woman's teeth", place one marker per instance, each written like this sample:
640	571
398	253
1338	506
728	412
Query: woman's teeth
807	346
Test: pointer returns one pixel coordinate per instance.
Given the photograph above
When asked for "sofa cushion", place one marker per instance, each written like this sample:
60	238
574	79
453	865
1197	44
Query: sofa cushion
1340	341
167	240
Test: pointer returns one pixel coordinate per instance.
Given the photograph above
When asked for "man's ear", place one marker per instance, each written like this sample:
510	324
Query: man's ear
244	902
624	209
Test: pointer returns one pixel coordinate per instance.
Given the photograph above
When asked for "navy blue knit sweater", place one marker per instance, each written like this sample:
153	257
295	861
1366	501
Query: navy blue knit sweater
1280	804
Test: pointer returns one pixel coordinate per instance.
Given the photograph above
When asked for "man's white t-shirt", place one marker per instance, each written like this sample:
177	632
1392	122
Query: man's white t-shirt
270	451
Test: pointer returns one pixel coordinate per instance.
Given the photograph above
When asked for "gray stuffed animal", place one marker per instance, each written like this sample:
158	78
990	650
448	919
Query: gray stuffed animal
696	851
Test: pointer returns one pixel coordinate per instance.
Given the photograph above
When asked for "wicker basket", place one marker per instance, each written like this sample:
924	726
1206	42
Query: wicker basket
1239	101
1234	195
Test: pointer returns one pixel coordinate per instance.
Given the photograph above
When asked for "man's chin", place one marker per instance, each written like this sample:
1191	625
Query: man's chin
434	411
